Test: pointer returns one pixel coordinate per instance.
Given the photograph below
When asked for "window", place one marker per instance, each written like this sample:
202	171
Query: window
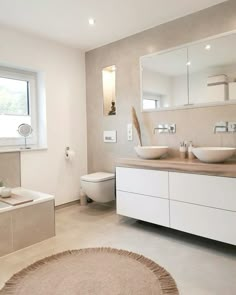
14	97
151	104
17	105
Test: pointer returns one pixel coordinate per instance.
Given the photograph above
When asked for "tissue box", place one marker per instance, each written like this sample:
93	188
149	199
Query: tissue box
232	90
217	92
218	79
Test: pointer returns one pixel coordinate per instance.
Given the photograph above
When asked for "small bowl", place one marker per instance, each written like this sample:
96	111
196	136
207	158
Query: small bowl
6	192
1	188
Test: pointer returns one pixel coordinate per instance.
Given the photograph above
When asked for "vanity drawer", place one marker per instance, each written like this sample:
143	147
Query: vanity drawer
154	210
203	221
145	182
212	191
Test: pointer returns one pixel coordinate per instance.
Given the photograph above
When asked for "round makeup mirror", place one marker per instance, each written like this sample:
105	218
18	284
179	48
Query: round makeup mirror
25	130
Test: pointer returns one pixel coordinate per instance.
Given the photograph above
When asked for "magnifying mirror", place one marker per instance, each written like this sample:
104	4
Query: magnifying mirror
25	130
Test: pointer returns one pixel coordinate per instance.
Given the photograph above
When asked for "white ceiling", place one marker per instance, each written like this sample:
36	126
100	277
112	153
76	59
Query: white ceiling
66	21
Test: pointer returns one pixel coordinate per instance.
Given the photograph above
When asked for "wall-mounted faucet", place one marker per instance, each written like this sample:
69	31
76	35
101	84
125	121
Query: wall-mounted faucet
165	128
224	127
221	127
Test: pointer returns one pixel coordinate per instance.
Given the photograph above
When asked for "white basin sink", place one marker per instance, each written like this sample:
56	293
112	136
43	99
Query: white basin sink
151	152
213	154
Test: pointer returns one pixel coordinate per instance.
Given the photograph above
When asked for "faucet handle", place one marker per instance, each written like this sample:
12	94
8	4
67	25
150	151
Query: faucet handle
172	128
232	127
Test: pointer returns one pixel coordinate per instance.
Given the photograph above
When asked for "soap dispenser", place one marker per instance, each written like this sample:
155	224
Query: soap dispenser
183	150
190	151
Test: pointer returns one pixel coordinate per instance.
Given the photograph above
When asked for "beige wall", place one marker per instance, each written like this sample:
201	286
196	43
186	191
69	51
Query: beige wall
64	69
195	124
10	169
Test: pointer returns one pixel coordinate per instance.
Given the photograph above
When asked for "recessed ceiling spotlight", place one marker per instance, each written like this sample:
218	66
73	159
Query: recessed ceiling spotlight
208	47
91	21
188	63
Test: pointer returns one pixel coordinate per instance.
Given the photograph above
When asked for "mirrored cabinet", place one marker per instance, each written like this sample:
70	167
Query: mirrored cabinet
200	74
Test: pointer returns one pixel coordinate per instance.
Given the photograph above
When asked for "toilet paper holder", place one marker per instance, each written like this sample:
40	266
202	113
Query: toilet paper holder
67	149
69	153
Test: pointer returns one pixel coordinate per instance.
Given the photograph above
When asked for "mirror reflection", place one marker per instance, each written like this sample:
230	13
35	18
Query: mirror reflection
109	90
164	80
212	73
200	74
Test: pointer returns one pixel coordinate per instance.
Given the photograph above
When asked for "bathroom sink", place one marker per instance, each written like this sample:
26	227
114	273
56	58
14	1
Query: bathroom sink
213	154
151	152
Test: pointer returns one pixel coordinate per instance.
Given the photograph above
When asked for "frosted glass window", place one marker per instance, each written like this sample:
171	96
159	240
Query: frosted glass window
14	97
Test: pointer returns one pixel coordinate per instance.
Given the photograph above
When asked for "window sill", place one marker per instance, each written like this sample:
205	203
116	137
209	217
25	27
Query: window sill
20	149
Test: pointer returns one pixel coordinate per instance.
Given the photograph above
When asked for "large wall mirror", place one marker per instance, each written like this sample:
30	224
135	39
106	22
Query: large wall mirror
200	74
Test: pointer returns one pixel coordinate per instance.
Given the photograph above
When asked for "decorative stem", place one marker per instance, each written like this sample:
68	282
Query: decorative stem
136	125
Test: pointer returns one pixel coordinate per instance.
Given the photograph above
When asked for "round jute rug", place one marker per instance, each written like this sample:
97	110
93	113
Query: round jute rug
93	271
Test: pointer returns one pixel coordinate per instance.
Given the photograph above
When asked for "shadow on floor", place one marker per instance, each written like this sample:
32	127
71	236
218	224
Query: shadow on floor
98	209
181	237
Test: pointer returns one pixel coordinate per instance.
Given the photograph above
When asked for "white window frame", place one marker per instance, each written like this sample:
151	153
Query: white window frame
154	97
31	77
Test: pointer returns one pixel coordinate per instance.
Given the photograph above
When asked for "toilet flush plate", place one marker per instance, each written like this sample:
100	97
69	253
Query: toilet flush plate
110	136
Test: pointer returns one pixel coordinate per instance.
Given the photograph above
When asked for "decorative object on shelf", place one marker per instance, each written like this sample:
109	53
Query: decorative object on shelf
25	130
183	150
113	109
6	192
136	125
191	155
102	266
1	186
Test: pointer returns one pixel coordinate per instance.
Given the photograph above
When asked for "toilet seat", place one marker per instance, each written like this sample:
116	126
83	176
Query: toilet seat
98	177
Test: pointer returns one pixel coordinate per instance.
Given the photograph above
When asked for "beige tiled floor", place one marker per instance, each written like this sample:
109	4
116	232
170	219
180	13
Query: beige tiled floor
199	266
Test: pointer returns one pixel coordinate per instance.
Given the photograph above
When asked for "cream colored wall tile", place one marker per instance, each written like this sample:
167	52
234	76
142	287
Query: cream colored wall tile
5	233
32	224
10	169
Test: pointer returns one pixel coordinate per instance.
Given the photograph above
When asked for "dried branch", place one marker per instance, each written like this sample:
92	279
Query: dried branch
136	125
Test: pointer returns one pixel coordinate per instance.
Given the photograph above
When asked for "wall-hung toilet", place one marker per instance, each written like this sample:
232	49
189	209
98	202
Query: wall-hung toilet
99	186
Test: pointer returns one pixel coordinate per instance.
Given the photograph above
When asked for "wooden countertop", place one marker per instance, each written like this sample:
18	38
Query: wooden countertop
226	169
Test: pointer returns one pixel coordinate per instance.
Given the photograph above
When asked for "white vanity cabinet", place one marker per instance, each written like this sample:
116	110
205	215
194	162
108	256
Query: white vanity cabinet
203	205
143	194
210	191
198	204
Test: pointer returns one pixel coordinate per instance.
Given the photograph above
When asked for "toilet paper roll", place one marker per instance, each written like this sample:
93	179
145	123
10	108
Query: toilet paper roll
70	155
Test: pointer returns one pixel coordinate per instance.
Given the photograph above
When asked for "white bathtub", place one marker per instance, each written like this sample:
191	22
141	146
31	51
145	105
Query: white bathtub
26	224
36	196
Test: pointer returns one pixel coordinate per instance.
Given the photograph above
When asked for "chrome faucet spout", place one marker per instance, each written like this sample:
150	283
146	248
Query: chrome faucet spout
159	128
165	128
223	127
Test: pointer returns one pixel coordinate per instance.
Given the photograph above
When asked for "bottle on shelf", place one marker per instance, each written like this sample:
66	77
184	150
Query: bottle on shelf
183	150
190	151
